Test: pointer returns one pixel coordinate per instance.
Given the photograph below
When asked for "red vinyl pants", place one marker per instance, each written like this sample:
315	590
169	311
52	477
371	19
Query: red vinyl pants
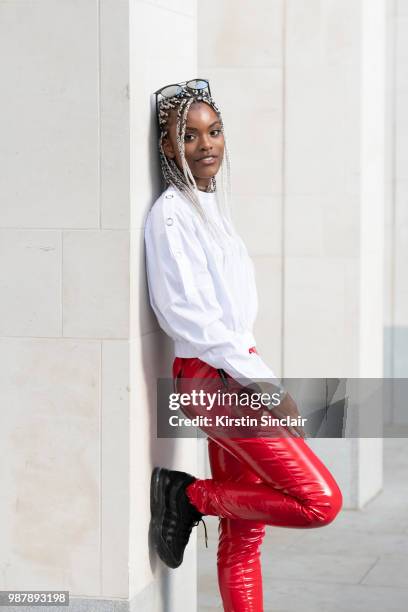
256	482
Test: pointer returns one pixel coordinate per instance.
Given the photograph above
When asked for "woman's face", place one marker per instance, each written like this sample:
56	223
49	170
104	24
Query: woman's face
203	142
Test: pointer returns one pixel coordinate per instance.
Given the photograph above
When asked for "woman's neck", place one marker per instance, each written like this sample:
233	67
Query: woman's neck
203	184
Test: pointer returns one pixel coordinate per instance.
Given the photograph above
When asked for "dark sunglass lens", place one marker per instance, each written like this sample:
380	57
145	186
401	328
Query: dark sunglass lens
197	84
171	90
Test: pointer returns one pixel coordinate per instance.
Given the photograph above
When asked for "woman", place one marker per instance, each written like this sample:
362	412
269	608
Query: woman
202	290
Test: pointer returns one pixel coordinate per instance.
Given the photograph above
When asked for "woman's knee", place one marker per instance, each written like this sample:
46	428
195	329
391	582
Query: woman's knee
322	510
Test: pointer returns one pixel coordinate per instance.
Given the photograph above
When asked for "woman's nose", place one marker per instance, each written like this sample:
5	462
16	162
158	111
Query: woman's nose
205	142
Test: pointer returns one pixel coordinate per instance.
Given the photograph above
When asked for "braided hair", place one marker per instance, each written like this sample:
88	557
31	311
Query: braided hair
183	180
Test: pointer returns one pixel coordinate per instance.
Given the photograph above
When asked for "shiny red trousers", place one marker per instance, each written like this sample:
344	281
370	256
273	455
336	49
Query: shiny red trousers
256	482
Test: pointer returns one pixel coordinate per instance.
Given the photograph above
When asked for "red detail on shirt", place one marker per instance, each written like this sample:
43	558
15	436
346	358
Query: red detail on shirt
253	350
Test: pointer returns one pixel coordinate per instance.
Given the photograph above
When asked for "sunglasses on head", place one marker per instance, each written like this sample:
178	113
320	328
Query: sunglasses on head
176	89
195	86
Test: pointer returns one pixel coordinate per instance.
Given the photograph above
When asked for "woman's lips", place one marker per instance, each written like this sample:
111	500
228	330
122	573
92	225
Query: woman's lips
207	161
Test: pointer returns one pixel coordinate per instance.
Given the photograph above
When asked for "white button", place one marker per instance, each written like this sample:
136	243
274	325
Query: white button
179	253
169	195
169	221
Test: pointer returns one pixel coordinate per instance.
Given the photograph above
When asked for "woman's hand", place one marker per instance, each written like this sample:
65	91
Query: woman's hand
286	408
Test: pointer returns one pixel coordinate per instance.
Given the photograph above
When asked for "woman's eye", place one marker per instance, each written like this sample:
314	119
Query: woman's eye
191	137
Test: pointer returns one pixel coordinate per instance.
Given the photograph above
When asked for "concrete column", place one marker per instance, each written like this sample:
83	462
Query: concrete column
163	50
396	330
79	347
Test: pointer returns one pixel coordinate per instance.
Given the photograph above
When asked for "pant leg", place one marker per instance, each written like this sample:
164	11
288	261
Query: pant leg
296	489
238	557
288	486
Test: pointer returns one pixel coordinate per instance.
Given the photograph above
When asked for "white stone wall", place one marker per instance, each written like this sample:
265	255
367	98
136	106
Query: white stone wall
401	192
390	191
80	349
65	296
396	302
400	231
322	171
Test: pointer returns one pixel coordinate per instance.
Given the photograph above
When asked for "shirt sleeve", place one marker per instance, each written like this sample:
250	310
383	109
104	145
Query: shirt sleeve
183	296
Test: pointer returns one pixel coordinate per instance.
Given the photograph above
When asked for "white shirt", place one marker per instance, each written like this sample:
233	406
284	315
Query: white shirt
204	298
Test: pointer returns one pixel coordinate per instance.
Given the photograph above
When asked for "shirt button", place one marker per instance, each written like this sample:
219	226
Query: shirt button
169	221
169	195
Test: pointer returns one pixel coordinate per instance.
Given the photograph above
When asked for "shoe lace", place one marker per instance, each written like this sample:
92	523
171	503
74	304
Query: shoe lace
186	530
205	530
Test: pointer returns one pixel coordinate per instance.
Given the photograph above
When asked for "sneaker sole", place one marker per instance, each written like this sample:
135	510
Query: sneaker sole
157	509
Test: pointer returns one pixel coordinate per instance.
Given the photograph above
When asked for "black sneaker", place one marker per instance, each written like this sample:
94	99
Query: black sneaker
172	514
